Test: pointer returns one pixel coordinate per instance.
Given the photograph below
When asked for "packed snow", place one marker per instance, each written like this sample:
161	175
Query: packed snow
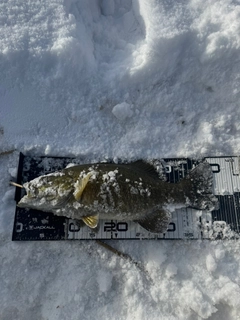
116	79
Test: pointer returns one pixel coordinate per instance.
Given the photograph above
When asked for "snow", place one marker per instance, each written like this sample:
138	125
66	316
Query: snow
122	111
117	79
211	263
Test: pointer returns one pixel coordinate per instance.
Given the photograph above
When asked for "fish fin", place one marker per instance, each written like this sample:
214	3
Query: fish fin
80	185
156	221
146	167
91	221
200	187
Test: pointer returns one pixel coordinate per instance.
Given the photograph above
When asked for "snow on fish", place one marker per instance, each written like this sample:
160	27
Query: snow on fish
127	192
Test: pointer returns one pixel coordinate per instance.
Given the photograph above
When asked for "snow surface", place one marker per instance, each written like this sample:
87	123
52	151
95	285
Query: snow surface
119	79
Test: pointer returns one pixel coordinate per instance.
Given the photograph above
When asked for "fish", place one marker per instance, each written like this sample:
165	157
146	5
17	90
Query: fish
124	192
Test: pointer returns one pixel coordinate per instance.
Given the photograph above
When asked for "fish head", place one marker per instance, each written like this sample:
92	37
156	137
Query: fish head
47	192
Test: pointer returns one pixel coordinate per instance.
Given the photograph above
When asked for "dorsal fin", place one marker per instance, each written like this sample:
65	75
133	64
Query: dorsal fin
80	185
146	167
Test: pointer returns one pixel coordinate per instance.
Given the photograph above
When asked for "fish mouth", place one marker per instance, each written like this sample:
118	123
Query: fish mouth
22	203
34	200
28	196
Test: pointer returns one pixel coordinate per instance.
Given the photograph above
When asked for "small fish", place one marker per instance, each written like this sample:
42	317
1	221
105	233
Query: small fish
127	192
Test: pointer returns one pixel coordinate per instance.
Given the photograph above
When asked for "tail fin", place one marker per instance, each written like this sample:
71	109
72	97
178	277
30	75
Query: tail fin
200	194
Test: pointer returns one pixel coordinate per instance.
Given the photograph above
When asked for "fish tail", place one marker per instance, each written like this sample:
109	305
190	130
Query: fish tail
199	193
